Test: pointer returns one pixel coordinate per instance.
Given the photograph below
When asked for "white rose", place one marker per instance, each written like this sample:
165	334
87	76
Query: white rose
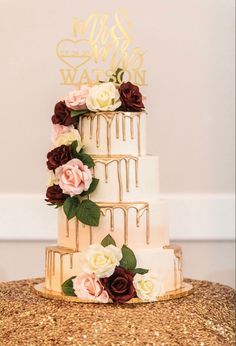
148	286
100	260
103	97
67	138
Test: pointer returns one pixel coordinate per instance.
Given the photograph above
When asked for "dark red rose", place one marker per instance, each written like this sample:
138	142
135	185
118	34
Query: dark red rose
55	195
131	97
58	156
62	114
119	285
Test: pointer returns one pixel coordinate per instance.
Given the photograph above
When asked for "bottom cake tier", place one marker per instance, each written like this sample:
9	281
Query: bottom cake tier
62	264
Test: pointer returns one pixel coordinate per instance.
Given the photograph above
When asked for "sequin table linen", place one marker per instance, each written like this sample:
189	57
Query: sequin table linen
206	317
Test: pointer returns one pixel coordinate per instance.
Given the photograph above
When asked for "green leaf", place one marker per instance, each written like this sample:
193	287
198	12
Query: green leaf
58	205
67	287
108	240
92	187
75	113
140	271
128	260
73	148
70	207
86	159
88	213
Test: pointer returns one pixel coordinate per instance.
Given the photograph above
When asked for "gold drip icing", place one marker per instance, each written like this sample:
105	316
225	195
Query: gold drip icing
117	128
120	180
148	226
140	207
136	173
127	174
50	268
132	128
67	229
123	127
112	219
76	233
71	260
61	271
90	235
106	160
91	129
109	117
138	135
53	263
50	262
178	268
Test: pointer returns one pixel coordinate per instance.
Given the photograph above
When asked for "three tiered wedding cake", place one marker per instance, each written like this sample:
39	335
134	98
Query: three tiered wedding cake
113	243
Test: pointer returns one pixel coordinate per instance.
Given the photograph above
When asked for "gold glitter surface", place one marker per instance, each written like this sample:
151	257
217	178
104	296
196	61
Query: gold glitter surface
204	318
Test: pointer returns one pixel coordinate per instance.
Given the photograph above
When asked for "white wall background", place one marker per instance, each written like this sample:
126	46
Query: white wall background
189	47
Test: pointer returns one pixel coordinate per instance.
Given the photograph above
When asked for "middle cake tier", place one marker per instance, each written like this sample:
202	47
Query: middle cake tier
126	178
138	225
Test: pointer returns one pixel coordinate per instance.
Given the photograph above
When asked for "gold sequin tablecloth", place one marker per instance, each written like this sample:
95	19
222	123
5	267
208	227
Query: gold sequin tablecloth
206	317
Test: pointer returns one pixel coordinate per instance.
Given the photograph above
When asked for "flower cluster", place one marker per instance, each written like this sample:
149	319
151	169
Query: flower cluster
71	170
102	97
108	273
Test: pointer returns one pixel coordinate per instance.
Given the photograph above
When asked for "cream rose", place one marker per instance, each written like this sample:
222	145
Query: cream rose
103	97
67	138
52	179
87	286
77	99
74	177
58	130
148	286
100	260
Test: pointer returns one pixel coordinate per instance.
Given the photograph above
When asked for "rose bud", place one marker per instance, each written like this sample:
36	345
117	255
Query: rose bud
62	114
55	195
58	156
131	97
119	285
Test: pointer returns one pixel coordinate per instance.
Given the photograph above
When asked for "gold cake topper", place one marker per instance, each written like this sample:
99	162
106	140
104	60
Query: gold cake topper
98	46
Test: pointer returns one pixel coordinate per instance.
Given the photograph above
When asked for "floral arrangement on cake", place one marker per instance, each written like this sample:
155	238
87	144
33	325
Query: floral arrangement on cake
71	169
109	274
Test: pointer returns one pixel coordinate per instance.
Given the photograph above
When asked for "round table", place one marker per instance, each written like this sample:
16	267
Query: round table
205	317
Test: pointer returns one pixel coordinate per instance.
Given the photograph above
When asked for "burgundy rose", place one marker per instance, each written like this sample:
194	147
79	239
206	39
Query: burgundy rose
119	285
55	195
58	156
131	97
62	114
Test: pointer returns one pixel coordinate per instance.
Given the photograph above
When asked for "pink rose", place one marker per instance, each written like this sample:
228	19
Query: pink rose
77	99
87	286
74	177
58	130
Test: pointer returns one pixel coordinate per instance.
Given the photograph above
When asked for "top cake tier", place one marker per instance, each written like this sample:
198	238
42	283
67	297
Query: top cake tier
112	133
